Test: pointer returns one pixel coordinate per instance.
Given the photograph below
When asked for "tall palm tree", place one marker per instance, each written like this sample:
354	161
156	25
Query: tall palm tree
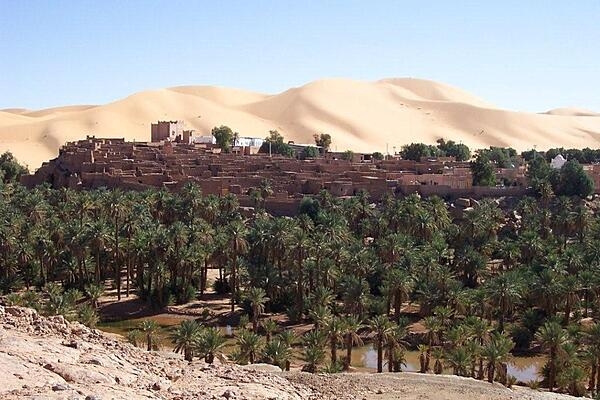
185	337
351	328
313	350
400	285
479	330
150	328
592	339
505	291
257	298
383	329
552	337
270	327
335	332
496	352
238	245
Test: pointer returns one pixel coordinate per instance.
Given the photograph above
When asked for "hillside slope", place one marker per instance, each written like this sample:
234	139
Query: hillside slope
51	358
359	115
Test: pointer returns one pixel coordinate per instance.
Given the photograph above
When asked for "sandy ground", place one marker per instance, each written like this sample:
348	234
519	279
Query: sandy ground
359	115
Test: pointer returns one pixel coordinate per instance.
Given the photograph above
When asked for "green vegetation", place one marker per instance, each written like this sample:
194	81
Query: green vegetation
309	152
450	148
377	156
416	151
348	155
570	180
481	284
10	169
483	170
323	140
276	145
224	137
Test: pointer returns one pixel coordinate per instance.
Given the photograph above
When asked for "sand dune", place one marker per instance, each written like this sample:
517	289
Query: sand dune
573	112
359	115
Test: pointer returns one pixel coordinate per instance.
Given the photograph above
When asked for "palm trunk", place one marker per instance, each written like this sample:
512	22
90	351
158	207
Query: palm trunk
233	278
348	352
491	371
333	351
480	371
592	381
379	355
117	264
552	373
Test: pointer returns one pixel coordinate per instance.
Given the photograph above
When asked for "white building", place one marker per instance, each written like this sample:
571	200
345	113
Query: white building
210	139
558	161
248	142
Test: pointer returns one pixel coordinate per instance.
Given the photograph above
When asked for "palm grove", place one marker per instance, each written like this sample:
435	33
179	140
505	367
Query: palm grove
490	283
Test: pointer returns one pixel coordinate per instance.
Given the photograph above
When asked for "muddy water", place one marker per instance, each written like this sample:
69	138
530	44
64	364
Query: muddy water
525	369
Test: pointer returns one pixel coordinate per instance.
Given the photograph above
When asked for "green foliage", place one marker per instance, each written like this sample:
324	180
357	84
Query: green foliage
224	137
416	151
377	156
348	155
483	171
10	169
275	143
279	353
501	157
210	344
87	315
186	337
459	151
309	152
573	181
323	140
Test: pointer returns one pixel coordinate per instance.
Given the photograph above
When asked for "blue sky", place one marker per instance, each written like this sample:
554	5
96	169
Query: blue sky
524	55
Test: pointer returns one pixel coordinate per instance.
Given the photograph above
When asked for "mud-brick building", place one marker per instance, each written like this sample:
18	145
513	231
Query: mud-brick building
167	130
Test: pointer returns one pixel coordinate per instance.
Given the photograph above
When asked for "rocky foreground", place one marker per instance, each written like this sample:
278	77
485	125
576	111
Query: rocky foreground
51	358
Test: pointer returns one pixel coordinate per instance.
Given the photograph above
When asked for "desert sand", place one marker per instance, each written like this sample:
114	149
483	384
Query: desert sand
359	115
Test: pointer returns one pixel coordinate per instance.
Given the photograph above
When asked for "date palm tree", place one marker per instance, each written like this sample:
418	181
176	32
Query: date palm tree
383	329
552	337
210	344
185	337
351	328
334	329
250	345
238	245
270	327
257	298
277	352
150	329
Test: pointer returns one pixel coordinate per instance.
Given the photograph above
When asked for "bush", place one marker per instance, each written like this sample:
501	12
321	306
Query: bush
521	336
221	286
186	295
88	316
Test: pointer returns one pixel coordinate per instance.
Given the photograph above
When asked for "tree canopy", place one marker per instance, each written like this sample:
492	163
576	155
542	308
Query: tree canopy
224	137
323	140
275	142
10	169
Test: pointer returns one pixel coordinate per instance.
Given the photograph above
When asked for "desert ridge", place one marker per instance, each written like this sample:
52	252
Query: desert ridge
359	115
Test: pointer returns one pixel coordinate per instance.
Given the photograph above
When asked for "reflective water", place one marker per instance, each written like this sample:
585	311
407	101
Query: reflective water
525	369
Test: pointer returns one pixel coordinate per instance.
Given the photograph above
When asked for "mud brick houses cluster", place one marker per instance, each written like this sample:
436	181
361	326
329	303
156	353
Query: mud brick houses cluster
95	162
